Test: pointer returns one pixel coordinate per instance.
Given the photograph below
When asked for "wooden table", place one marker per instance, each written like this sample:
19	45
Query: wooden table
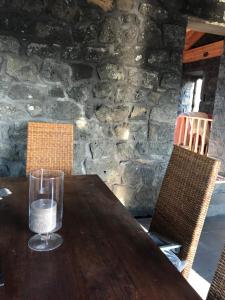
105	254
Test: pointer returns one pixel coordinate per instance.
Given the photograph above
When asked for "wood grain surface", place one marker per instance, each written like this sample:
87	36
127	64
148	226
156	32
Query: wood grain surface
105	254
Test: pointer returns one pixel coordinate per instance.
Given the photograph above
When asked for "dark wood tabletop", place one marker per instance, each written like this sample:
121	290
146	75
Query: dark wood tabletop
105	254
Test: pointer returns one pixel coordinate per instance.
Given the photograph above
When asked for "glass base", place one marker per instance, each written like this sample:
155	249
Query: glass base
45	242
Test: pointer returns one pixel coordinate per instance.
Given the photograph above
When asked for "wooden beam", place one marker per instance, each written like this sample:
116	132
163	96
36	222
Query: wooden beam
205	52
206	26
191	38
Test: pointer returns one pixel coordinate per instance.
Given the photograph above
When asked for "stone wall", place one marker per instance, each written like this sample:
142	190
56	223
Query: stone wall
115	75
217	139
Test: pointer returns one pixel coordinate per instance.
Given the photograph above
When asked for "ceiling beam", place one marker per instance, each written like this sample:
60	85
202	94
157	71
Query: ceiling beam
205	52
191	38
206	26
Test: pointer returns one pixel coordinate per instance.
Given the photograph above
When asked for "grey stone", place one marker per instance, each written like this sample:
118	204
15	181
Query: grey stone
91	130
128	93
80	154
166	113
63	110
81	71
171	80
126	151
138	131
122	132
150	35
139	112
109	30
56	92
11	112
107	169
34	7
125	194
64	10
102	149
174	35
9	44
4	129
43	50
79	93
143	78
22	69
158	57
129	54
94	54
72	53
55	72
103	89
26	92
112	114
161	132
86	33
18	133
34	109
153	11
111	72
125	5
54	32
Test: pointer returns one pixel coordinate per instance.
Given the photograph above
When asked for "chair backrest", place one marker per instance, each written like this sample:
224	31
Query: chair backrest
217	288
184	199
50	146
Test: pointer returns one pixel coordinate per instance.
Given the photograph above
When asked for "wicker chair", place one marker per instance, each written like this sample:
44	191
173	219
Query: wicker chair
50	146
217	288
184	199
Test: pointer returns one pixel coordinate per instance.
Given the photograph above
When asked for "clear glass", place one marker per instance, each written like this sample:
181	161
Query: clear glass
46	188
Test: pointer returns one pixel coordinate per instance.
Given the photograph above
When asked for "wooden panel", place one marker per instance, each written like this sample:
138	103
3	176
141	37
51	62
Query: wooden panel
206	26
191	38
105	254
204	52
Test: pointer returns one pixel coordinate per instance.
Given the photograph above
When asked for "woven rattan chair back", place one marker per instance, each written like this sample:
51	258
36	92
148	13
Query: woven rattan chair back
184	199
50	146
217	288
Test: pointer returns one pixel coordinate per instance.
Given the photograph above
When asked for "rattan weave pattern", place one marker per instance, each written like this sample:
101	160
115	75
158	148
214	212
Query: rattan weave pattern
184	199
217	288
50	146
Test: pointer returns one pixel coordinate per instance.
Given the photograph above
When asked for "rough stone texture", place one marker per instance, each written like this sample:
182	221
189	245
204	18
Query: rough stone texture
217	141
115	75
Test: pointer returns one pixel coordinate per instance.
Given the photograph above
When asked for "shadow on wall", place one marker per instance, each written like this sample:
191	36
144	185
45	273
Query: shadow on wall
115	75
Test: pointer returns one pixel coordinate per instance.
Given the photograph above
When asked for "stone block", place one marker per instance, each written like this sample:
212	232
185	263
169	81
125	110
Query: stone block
165	112
22	91
102	149
9	44
72	53
112	114
22	69
158	57
34	109
126	151
55	72
129	54
54	32
43	50
33	6
153	11
63	110
81	71
86	33
107	169
125	5
80	154
138	131
150	35
103	89
56	92
67	11
79	93
139	112
111	72
142	78
122	132
161	132
174	35
18	132
171	80
12	112
109	30
94	54
129	94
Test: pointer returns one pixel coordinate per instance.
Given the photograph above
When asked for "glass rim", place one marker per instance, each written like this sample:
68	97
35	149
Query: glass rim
60	174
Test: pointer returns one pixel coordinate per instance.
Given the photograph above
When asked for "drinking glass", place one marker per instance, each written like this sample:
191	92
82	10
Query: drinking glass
45	208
